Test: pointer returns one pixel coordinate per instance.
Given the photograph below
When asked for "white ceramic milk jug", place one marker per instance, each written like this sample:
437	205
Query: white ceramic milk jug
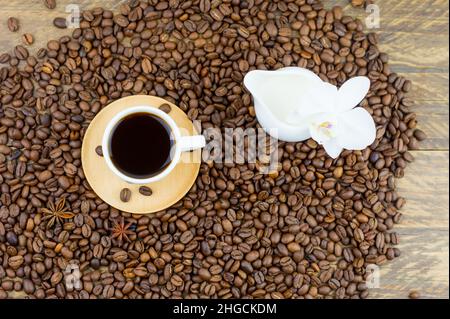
277	94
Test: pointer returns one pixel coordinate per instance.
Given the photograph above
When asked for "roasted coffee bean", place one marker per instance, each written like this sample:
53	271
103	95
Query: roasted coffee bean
357	3
146	191
21	52
420	135
15	262
146	66
5	57
414	294
125	195
99	150
27	39
28	286
165	108
11	238
50	4
60	23
13	24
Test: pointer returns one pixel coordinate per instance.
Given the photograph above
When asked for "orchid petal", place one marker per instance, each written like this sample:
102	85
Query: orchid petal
323	97
356	129
317	98
323	127
332	148
351	93
328	140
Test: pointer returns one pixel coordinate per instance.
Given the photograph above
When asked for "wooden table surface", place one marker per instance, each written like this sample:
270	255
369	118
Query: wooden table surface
415	35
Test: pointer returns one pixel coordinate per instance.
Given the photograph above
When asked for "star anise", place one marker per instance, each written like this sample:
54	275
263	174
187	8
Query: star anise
121	231
56	212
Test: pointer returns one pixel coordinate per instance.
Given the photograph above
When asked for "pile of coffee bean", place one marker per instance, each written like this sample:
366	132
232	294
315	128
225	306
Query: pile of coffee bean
307	230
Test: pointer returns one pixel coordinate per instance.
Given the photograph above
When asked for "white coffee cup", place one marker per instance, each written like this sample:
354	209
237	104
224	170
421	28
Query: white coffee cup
180	143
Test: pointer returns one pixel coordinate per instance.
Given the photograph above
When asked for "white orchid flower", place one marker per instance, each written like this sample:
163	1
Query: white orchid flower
336	123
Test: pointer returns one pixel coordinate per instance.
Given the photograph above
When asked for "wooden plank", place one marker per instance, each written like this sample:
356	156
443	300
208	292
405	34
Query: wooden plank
425	187
416	52
36	19
422	266
436	127
432	10
432	118
424	235
413	33
428	87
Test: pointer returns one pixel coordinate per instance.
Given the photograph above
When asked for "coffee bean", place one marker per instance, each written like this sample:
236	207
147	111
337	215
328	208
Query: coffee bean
186	237
13	24
414	294
21	52
28	286
15	262
420	135
121	20
165	108
120	256
125	195
3	294
204	274
27	39
11	238
99	150
357	3
146	66
5	58
146	191
66	253
216	15
50	4
60	23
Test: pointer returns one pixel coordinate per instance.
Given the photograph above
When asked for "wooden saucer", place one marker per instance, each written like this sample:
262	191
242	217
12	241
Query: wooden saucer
108	186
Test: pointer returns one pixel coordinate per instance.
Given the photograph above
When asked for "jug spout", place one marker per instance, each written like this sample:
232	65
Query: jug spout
281	100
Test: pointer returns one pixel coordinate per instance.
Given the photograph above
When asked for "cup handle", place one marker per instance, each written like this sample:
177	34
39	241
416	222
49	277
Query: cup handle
190	143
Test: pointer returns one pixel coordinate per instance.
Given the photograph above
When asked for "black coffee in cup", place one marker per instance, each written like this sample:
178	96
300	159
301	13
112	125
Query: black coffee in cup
140	145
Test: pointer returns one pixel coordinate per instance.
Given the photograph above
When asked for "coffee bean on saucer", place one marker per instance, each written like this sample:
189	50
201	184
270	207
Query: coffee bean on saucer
125	195
99	150
165	108
146	191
